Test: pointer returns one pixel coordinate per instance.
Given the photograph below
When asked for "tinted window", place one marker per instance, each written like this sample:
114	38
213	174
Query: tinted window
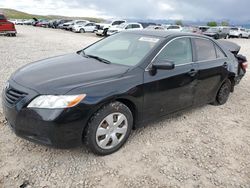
173	27
219	52
179	51
204	49
135	26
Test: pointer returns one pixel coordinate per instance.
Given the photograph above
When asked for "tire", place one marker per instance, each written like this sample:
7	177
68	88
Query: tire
223	93
82	31
111	136
216	37
240	36
227	37
105	31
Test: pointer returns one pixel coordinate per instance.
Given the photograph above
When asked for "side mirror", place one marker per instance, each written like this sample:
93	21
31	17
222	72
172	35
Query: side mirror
164	65
161	65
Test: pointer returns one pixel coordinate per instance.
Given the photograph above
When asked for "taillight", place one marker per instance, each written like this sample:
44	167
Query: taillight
244	65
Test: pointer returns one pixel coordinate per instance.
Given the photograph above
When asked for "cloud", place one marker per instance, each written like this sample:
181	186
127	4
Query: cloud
156	9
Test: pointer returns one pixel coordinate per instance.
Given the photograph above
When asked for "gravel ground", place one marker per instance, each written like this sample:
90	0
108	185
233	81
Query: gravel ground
207	146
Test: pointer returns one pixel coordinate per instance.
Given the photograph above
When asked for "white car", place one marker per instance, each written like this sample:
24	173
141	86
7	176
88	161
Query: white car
82	28
238	32
173	27
124	26
102	28
69	25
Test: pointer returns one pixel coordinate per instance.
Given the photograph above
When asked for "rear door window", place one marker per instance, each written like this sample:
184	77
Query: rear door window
219	52
205	50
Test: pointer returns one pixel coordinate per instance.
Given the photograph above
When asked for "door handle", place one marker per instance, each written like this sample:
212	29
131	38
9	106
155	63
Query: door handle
192	72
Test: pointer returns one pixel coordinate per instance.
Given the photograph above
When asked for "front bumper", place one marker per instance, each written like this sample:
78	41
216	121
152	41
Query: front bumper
61	128
99	32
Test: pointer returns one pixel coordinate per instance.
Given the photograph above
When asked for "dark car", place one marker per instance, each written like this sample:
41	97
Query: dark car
99	94
217	32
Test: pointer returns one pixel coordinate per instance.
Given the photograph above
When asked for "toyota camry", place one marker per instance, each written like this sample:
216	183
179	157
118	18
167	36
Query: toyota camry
97	95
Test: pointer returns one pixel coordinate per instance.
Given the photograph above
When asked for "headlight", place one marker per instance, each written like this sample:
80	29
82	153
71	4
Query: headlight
56	101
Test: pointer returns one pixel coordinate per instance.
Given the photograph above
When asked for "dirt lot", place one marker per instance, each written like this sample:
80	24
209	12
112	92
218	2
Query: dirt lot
204	147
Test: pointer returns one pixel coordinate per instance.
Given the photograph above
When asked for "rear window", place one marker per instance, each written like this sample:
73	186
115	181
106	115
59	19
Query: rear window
204	49
2	17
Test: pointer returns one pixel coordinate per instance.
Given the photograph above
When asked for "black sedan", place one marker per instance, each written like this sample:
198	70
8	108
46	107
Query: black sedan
99	94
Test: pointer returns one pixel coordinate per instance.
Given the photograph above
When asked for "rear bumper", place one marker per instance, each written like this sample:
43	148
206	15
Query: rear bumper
8	32
60	128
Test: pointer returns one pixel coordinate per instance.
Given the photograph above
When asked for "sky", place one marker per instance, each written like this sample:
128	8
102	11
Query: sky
237	10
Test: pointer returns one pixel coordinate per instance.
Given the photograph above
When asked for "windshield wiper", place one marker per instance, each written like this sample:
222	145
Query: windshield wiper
97	58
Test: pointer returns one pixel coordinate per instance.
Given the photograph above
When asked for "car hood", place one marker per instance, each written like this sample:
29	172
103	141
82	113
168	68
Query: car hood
59	75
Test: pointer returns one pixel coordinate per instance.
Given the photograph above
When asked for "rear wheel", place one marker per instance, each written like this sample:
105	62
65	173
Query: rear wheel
109	128
240	36
223	93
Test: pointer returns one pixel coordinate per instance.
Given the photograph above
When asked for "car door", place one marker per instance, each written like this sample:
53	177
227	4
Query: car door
168	91
212	69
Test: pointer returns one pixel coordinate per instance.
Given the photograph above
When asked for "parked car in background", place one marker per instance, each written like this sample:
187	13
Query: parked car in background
84	27
60	23
102	28
155	27
203	28
245	33
237	32
7	27
125	26
191	29
28	22
42	23
217	32
52	23
71	24
99	94
20	22
172	27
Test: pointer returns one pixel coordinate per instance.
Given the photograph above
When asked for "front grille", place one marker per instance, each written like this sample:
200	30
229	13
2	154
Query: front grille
12	96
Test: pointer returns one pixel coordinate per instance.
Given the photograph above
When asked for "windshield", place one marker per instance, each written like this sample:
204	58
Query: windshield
122	26
123	48
213	30
2	17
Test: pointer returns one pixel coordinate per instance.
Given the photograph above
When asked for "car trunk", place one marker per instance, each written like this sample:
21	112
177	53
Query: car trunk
6	26
242	60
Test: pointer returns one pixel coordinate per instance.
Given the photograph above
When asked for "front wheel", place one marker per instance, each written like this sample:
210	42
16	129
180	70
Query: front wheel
82	31
109	128
223	93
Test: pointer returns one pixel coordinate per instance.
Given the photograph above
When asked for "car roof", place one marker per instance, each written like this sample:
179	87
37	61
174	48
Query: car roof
162	33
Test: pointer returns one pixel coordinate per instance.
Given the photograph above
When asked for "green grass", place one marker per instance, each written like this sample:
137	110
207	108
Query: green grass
15	14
